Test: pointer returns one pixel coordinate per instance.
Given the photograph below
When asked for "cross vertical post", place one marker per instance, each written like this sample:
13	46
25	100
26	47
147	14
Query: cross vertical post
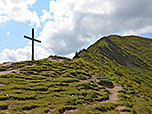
32	42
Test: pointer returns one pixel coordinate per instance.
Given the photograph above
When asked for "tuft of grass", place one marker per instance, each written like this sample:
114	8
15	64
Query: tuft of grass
3	106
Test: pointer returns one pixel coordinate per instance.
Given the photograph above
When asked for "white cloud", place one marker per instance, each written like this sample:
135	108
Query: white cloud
71	55
79	22
8	33
22	54
94	6
71	25
46	15
18	11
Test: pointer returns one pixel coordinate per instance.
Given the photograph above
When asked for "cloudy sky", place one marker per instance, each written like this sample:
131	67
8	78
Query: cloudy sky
65	26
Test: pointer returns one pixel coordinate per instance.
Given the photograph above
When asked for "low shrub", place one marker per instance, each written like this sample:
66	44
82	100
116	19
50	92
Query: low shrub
3	106
106	107
126	109
3	68
40	110
3	98
102	98
59	90
63	109
22	97
74	101
29	106
106	83
85	86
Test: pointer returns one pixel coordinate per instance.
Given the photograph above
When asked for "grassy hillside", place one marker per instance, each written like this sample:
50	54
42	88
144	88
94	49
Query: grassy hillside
63	86
127	56
51	86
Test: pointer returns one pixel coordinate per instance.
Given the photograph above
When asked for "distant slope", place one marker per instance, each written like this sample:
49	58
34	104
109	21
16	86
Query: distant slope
132	53
125	50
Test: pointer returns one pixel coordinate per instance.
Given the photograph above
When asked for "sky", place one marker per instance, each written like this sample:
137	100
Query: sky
66	26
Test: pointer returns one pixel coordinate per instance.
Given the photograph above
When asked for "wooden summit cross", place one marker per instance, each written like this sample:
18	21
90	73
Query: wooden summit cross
32	42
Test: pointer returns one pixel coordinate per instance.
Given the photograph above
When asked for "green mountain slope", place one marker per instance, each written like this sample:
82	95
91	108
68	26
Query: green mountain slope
132	54
59	85
127	60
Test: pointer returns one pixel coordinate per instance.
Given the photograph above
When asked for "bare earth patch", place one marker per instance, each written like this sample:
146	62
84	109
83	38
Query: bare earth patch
70	111
120	108
6	64
113	97
6	72
15	70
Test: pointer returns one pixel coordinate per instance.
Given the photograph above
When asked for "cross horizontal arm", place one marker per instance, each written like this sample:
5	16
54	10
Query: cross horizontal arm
32	39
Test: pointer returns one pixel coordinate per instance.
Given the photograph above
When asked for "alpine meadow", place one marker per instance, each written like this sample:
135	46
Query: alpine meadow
112	76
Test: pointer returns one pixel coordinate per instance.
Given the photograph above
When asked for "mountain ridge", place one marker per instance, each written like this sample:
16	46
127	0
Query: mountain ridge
132	52
114	48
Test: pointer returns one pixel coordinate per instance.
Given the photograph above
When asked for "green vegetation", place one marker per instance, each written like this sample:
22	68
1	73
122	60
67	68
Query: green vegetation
74	86
50	86
127	60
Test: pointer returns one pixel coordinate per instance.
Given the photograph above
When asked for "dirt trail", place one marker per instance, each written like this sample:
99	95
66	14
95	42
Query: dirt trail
70	111
15	70
120	108
6	64
113	97
5	72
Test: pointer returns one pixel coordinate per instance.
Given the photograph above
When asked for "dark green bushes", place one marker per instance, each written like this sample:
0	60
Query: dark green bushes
106	107
3	69
106	83
2	98
3	106
29	106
